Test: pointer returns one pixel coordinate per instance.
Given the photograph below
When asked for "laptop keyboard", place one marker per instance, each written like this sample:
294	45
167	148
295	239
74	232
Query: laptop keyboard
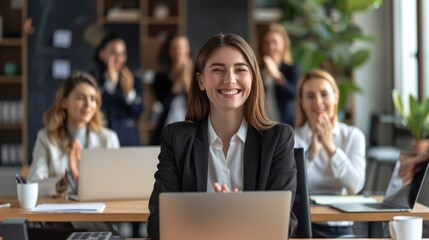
90	236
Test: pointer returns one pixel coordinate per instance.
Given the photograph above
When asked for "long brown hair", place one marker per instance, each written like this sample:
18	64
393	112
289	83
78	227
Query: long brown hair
55	119
278	28
198	102
301	118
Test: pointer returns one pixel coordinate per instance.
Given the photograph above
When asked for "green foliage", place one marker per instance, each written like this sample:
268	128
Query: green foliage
325	35
417	117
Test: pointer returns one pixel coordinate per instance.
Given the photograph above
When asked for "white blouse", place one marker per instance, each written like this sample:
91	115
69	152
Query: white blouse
226	170
344	172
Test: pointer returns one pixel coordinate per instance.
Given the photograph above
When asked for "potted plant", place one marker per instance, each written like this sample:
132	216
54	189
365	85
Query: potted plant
416	119
325	35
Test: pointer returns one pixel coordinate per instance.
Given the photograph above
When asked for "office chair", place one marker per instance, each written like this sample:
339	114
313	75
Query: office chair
301	206
378	155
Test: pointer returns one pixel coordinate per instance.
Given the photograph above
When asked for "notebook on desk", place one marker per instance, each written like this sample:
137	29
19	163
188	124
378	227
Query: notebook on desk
400	195
227	216
124	173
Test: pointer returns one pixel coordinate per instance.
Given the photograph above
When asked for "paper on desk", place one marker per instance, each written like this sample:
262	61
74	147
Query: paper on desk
335	199
70	207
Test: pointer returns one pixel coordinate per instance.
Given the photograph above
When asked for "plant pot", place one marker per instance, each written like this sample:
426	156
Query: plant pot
421	145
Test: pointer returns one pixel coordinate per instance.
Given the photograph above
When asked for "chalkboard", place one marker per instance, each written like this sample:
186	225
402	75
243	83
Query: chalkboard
48	16
209	17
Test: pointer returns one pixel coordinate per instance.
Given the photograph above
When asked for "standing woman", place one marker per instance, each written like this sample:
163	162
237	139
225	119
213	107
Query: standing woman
121	89
279	73
171	84
335	152
72	123
227	142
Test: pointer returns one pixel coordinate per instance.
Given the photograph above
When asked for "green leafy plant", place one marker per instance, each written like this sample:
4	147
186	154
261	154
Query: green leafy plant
324	36
416	119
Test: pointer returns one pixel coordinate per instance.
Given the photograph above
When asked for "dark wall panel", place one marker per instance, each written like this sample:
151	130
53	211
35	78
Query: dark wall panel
209	17
48	16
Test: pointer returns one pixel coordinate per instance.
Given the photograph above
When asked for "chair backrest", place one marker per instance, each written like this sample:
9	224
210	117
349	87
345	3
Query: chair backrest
373	130
301	206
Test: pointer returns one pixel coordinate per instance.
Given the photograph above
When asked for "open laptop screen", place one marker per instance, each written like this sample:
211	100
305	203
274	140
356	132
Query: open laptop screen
407	179
226	216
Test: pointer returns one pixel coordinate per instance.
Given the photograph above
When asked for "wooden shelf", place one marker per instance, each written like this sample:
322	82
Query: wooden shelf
104	20
151	40
11	127
10	79
151	29
10	42
13	88
161	21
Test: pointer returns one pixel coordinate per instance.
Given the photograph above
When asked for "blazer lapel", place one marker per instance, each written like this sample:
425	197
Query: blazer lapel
252	156
201	155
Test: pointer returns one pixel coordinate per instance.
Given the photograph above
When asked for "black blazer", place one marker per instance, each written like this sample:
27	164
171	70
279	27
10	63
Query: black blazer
269	163
121	116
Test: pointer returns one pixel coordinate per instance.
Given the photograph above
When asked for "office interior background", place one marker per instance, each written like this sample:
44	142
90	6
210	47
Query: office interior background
64	31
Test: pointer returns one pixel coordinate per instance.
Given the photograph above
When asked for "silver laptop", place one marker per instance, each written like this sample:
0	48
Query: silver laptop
403	189
226	216
124	173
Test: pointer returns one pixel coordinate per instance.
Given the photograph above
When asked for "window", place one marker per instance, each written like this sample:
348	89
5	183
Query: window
406	46
425	45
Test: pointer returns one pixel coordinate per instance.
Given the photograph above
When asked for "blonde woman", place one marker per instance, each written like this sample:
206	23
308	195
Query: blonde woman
335	152
72	123
279	73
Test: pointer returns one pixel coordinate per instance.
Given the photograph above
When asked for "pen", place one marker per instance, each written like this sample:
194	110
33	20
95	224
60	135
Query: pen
20	179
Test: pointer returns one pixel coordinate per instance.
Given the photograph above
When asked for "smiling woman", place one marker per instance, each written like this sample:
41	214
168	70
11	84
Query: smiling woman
227	143
73	122
227	80
335	152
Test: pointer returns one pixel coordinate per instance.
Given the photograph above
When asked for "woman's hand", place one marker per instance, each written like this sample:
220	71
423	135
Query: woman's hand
112	72
273	70
323	130
315	146
224	188
126	81
74	158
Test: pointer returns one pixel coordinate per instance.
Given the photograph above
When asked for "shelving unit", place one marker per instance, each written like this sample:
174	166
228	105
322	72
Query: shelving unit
153	30
13	88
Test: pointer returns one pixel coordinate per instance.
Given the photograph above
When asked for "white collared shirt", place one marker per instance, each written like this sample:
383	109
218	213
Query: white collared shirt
344	172
227	170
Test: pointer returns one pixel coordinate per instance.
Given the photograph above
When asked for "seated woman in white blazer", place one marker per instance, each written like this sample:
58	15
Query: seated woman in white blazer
72	123
335	152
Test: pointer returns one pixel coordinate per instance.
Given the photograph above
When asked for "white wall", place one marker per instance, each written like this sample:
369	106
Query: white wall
376	76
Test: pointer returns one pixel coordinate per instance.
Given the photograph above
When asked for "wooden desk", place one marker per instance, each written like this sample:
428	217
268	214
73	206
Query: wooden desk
137	211
326	213
116	211
375	227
